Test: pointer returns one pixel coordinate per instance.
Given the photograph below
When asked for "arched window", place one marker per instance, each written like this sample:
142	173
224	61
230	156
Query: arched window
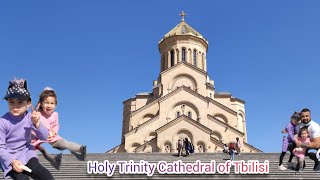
162	62
172	58
203	68
195	57
183	56
189	114
178	114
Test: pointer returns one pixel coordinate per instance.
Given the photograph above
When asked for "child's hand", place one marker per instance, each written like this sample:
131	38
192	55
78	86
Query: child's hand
49	138
16	166
35	117
284	131
51	135
298	143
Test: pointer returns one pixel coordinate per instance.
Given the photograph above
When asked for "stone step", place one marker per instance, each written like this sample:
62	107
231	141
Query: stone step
72	168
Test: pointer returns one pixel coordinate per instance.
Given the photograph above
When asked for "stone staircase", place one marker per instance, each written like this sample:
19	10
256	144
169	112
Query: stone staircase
72	168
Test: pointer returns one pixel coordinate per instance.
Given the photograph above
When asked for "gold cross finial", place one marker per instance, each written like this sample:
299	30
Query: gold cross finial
182	14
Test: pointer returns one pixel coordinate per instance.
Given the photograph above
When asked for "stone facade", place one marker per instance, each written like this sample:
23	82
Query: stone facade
183	103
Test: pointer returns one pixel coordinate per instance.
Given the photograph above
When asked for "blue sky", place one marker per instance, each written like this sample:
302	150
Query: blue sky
96	54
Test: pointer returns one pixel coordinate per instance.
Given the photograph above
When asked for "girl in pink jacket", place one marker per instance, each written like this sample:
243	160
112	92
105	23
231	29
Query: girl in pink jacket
46	105
300	152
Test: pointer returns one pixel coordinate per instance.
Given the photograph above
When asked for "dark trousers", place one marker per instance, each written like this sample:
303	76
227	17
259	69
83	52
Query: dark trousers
291	146
312	156
187	151
179	151
38	172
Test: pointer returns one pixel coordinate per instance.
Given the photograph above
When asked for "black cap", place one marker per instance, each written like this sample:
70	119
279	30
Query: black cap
296	115
17	89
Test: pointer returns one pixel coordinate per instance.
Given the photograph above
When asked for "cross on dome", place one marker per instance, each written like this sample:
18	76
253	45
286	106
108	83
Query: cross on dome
182	14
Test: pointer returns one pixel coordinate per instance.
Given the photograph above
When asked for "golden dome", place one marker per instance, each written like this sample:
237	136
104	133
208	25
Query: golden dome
183	29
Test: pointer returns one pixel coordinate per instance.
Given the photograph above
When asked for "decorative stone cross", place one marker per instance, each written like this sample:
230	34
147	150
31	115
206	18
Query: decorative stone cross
182	14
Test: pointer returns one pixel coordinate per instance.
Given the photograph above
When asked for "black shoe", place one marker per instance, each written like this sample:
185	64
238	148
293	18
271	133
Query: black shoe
317	167
58	160
297	167
83	151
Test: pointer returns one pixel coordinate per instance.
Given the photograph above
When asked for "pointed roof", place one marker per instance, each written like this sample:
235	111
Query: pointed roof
186	119
183	29
192	92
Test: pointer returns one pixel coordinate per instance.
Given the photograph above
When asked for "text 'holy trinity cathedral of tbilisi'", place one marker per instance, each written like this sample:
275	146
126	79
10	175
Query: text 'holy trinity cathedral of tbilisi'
183	103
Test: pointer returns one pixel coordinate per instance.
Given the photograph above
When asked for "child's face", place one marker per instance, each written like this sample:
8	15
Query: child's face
294	121
17	107
48	105
304	134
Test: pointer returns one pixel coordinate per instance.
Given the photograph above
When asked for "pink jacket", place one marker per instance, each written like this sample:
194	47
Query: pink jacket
52	124
300	152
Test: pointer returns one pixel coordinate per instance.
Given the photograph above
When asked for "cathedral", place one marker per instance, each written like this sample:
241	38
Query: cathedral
183	103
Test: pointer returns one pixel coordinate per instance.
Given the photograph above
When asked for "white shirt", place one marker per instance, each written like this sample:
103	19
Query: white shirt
313	129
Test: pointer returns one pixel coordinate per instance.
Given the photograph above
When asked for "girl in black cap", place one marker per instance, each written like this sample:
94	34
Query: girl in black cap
17	156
